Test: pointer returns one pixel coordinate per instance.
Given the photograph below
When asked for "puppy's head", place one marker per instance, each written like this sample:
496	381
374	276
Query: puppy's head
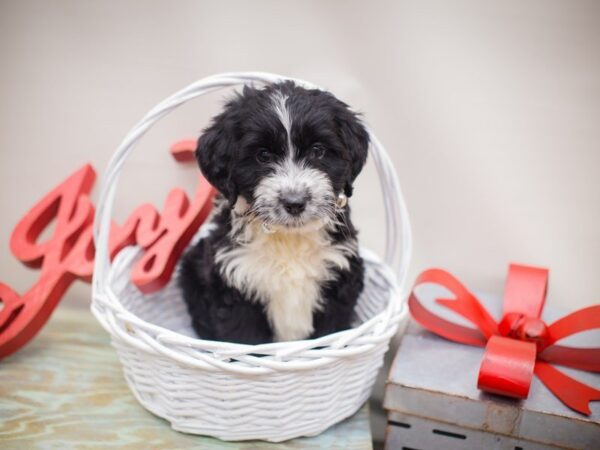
284	154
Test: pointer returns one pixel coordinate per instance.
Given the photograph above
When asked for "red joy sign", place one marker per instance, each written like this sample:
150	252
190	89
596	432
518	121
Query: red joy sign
521	345
68	254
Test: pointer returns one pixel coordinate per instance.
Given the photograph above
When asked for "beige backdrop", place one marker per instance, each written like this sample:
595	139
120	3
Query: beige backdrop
490	111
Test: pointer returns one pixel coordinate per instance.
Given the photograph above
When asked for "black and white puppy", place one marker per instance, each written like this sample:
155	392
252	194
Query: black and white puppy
281	260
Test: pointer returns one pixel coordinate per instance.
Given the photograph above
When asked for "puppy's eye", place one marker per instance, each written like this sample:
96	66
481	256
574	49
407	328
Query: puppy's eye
317	151
264	156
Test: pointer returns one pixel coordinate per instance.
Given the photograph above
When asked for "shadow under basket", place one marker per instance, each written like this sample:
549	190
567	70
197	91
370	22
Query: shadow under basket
272	392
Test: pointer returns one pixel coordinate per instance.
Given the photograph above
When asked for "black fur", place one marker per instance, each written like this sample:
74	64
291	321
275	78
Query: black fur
219	312
227	155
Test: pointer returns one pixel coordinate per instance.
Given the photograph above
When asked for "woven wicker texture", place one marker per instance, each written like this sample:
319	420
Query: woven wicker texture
231	391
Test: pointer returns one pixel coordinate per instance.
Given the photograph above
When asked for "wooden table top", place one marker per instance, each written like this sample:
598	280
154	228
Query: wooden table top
66	390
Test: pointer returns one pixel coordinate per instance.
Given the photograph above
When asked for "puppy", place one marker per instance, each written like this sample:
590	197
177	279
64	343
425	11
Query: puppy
281	259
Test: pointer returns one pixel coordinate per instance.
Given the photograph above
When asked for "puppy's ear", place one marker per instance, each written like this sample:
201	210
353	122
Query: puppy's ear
356	140
214	154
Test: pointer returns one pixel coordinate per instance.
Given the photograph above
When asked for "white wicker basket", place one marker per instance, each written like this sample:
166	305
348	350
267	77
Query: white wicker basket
231	391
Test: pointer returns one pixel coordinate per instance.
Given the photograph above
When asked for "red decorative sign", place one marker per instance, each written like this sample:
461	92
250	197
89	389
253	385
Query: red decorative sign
68	254
521	345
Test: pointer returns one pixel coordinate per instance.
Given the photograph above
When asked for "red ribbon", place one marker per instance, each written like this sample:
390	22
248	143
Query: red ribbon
521	344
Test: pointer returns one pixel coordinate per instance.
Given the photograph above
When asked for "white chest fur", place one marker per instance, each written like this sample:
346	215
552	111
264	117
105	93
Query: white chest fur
285	272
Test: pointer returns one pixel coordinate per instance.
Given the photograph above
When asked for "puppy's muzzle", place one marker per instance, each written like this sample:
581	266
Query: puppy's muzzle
294	202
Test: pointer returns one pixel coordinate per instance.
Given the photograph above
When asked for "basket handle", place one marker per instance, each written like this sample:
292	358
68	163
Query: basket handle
397	227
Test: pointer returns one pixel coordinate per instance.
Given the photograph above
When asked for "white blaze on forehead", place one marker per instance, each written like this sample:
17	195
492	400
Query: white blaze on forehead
290	174
281	109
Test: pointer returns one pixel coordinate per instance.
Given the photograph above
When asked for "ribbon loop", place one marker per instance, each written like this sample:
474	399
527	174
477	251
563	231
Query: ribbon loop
464	304
507	367
525	290
584	319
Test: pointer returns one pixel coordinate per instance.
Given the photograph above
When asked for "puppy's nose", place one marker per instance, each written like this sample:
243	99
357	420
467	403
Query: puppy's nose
294	202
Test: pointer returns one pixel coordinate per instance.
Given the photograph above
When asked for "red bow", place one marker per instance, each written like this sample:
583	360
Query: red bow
521	344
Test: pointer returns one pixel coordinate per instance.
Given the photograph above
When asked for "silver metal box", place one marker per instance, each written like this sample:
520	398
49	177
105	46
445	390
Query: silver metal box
433	401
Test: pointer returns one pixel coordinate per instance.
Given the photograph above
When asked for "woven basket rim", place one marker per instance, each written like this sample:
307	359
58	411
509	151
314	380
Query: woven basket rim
395	302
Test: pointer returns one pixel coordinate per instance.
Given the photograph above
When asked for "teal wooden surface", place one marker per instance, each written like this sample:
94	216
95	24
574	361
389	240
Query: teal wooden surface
66	390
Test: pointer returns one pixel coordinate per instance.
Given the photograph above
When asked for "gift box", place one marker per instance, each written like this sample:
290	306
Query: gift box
433	400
